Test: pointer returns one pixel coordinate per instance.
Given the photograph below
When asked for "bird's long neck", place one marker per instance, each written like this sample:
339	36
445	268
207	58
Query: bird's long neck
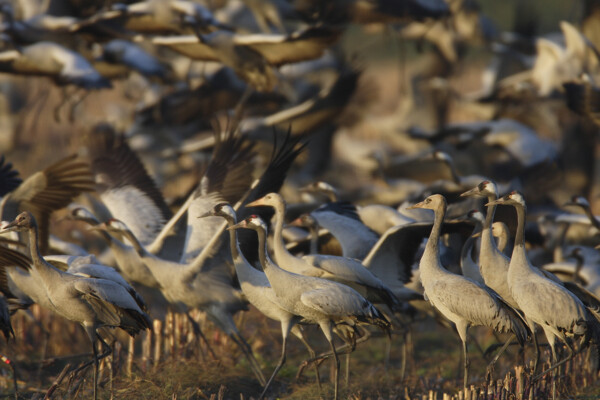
281	253
43	268
488	244
139	248
467	248
518	255
453	172
314	238
588	211
502	240
233	243
269	267
430	261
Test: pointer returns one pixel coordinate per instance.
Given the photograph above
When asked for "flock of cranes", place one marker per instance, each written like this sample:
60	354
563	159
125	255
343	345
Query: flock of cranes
303	203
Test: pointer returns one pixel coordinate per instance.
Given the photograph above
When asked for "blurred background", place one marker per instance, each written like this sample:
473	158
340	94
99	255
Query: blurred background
396	100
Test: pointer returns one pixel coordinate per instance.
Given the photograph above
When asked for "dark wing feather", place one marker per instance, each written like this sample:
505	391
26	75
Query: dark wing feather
230	169
115	165
9	177
270	181
49	190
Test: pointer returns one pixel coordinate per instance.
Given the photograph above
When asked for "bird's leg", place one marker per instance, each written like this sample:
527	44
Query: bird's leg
490	366
388	350
466	365
404	355
347	377
198	333
311	353
555	358
277	368
337	370
247	350
63	102
348	347
80	96
537	353
95	369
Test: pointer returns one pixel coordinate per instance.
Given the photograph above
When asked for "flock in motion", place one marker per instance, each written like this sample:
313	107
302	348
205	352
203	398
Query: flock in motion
296	207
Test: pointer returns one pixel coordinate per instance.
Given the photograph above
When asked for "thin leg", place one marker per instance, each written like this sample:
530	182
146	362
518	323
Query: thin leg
198	332
95	370
556	364
491	365
347	377
243	345
311	352
404	355
277	368
537	348
337	370
466	365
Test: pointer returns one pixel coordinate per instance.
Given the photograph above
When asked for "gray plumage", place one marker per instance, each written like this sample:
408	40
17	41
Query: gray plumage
93	303
316	300
460	299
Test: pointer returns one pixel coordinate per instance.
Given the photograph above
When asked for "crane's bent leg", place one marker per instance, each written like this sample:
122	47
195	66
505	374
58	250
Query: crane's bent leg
490	366
298	333
198	332
247	350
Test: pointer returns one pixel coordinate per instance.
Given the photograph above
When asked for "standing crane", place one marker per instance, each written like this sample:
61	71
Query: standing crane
341	269
460	299
318	301
93	303
260	294
543	301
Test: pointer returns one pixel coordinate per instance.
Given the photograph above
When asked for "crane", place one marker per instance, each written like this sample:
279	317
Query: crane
93	303
341	269
316	300
543	301
260	294
460	299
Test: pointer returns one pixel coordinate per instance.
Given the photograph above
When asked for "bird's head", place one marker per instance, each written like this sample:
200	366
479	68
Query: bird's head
499	229
475	216
269	200
441	156
23	222
579	201
513	198
432	202
318	186
220	210
305	221
484	189
80	213
253	222
112	225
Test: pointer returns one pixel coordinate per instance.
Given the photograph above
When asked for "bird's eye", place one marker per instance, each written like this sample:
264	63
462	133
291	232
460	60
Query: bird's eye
428	201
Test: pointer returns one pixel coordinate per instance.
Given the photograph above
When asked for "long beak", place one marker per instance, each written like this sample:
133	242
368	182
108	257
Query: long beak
255	203
98	227
418	205
471	192
476	235
237	226
12	226
207	214
494	202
